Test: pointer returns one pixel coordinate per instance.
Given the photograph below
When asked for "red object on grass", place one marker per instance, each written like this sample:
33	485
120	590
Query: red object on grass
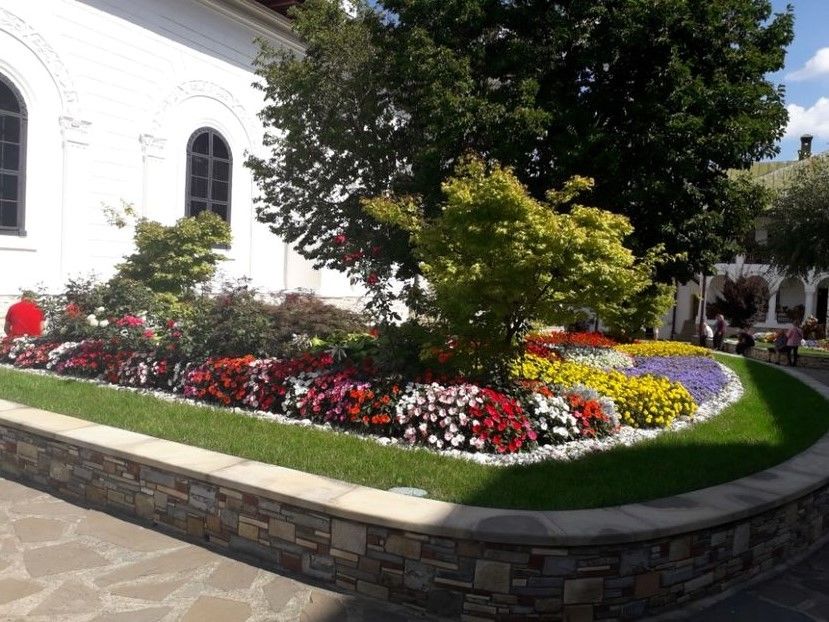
24	318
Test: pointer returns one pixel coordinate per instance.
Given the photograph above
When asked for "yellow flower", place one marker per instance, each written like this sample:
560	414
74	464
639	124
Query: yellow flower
662	348
641	400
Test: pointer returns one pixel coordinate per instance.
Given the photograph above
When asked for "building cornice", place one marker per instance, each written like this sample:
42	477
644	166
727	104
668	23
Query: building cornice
265	22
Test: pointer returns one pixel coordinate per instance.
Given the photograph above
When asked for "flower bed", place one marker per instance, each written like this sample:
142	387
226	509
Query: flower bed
564	390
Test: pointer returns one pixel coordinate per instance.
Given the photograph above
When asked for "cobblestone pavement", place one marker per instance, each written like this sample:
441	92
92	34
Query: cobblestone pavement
800	594
63	563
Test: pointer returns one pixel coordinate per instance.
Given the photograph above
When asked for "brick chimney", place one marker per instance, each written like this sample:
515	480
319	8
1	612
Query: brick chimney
805	147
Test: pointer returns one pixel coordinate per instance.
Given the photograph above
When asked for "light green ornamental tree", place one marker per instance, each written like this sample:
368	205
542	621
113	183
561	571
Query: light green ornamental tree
497	260
173	259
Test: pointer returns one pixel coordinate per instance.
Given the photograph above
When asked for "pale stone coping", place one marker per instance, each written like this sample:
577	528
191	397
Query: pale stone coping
684	513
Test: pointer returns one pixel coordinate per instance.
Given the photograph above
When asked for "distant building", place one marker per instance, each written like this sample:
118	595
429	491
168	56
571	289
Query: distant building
789	296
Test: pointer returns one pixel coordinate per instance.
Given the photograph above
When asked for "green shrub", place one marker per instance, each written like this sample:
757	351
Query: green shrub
176	258
234	322
497	260
306	314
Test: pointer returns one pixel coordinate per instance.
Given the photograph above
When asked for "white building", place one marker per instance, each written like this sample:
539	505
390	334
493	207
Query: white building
144	101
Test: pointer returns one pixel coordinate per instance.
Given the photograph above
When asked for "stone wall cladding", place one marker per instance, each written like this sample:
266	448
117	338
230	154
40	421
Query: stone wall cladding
448	576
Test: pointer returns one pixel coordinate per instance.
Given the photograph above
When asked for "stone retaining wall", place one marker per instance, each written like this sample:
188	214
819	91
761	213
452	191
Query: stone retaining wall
476	576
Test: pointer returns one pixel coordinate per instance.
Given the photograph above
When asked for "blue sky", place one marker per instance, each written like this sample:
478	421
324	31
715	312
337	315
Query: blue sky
806	76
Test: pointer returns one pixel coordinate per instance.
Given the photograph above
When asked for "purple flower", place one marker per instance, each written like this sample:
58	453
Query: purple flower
702	376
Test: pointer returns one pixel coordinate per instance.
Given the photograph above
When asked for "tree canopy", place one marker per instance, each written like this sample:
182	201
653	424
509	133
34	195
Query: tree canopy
798	228
655	100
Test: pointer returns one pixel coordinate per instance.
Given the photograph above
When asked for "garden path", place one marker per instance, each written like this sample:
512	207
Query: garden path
64	563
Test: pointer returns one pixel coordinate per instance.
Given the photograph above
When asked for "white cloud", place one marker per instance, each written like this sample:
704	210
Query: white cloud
813	120
816	66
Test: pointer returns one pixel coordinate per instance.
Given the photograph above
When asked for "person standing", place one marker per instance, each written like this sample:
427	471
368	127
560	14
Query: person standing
780	344
719	331
793	339
24	318
706	335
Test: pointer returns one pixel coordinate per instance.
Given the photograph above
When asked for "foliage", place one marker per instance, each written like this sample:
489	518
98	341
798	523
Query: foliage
173	259
643	309
798	229
497	260
743	301
306	314
663	348
233	322
641	401
387	105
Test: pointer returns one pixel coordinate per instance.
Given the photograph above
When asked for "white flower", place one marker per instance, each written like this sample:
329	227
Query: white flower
99	310
103	323
91	319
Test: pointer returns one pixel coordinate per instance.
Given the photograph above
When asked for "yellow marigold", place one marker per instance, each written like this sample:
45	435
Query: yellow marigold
641	401
662	348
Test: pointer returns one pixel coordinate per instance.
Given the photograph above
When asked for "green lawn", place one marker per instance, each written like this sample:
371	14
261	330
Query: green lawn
777	418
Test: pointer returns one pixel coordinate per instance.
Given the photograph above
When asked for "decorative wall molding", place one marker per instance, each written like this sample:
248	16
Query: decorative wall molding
152	146
23	32
74	130
211	90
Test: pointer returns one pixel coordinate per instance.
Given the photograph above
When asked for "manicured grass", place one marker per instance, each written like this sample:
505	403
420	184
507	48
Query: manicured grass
777	418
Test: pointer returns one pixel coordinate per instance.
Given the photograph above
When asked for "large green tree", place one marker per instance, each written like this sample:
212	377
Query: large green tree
798	227
654	99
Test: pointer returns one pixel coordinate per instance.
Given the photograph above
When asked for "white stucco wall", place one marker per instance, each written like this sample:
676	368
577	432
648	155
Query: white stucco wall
114	89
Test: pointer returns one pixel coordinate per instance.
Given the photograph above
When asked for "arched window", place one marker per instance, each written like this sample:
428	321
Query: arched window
209	164
12	159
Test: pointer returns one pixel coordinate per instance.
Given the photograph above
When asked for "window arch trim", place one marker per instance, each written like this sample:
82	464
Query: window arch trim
209	181
19	171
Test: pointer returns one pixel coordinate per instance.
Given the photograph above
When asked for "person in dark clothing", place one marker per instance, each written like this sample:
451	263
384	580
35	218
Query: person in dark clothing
745	342
719	331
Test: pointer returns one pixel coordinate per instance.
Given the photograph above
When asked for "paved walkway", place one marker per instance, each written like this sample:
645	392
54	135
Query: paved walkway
63	563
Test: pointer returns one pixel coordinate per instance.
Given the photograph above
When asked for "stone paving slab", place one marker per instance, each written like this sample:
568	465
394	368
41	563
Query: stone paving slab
63	563
799	594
